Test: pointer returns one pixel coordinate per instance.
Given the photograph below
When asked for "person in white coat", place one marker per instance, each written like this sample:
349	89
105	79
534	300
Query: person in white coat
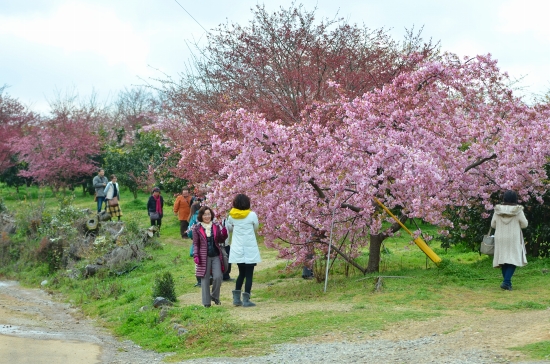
508	220
112	198
242	224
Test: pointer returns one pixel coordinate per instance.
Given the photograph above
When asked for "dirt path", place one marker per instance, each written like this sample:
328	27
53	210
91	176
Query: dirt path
35	329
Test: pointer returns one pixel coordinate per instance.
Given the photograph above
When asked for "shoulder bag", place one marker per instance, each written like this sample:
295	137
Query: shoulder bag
487	244
225	260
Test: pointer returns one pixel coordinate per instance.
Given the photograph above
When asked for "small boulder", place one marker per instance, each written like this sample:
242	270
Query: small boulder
161	301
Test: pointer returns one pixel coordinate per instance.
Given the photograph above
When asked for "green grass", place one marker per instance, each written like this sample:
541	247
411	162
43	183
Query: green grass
539	350
465	281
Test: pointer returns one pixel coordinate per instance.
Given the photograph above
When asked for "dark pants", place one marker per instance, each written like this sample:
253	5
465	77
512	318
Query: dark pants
246	271
100	200
507	273
226	275
156	223
184	225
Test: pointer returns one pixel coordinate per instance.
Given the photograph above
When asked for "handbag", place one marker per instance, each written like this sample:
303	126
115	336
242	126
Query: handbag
113	201
487	244
225	260
95	196
154	215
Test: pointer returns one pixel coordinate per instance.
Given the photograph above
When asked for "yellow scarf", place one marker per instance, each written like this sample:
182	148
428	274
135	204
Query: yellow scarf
238	214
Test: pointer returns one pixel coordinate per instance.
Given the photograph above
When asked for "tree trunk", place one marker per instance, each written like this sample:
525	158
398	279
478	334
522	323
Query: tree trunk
375	243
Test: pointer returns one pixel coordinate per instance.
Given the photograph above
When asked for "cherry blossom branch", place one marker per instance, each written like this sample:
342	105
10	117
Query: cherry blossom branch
478	162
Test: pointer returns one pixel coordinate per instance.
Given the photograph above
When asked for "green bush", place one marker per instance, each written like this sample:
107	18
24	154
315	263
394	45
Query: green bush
164	287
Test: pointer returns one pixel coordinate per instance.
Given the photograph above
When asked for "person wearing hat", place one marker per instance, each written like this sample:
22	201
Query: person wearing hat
154	208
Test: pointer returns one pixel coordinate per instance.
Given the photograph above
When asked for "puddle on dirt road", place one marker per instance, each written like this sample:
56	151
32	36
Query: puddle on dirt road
33	331
18	350
29	333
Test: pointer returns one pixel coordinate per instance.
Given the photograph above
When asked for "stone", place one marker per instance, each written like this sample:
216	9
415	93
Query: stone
91	269
161	301
163	313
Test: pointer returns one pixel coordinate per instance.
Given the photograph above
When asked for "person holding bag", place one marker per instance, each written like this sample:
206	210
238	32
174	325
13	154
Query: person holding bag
207	255
112	198
508	220
154	208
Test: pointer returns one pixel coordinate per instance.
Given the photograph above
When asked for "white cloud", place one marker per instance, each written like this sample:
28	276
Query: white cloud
81	27
529	17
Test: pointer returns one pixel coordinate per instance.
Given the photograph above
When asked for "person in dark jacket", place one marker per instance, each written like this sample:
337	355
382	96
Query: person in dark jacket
154	208
207	255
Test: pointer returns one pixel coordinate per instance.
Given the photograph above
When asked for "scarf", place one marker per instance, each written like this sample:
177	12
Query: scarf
238	214
159	206
207	228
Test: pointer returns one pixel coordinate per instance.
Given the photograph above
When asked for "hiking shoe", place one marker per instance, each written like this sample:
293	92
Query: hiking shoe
505	287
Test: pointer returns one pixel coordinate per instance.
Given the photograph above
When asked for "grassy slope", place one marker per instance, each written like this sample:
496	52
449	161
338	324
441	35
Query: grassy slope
293	308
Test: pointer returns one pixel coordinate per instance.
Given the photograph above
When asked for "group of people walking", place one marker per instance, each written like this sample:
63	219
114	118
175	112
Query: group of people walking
209	239
212	251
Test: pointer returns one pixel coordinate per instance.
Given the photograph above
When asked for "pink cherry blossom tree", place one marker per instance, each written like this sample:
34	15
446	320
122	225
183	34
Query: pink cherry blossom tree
13	118
58	151
278	64
447	133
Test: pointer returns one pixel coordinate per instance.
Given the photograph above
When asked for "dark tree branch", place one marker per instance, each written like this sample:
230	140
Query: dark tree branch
318	189
480	161
351	207
394	227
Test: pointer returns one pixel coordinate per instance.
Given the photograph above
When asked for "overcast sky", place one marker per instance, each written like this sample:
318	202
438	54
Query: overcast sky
106	45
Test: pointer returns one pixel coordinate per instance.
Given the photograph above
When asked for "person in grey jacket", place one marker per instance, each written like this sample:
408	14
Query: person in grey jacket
99	182
508	220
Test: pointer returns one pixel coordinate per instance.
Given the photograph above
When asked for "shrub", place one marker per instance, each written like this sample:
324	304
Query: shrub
164	287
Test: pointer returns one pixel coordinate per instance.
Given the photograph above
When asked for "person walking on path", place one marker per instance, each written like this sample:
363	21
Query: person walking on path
508	220
112	198
154	208
243	223
100	182
182	208
207	255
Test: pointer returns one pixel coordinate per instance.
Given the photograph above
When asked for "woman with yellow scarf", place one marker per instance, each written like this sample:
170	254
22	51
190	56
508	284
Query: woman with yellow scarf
243	223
